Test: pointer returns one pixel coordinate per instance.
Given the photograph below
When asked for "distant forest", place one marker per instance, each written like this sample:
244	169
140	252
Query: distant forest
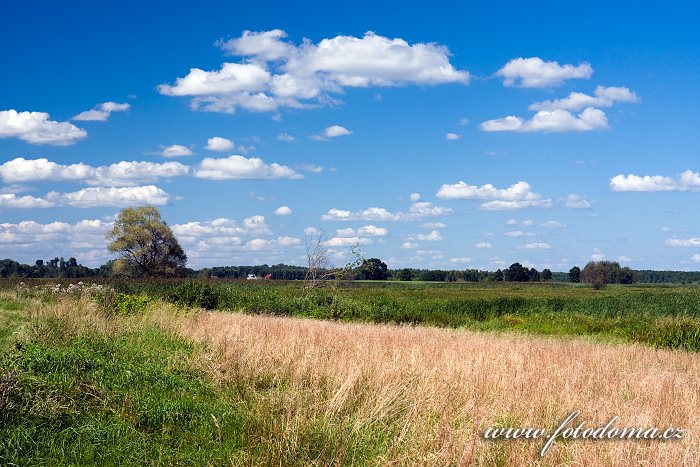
70	268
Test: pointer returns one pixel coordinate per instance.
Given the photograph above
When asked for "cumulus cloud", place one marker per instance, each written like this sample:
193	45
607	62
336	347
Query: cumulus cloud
534	72
434	225
484	245
683	242
217	143
111	197
176	150
452	136
574	201
517	196
415	197
283	211
239	168
535	246
119	174
553	225
603	97
686	181
347	241
11	200
286	137
695	258
37	128
101	112
433	236
275	72
514	233
334	131
461	260
417	211
557	120
29	240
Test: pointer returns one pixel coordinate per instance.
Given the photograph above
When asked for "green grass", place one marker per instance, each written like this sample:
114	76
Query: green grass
130	398
661	316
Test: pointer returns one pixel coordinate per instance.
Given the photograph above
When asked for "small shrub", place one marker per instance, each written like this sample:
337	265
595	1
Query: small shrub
195	294
126	304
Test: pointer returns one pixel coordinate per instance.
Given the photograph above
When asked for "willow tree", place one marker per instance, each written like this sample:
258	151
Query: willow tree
145	243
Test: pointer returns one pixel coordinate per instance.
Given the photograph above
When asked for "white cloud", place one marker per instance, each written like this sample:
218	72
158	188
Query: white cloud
528	223
119	174
517	196
334	131
511	222
276	72
484	245
683	242
286	137
417	211
36	128
515	233
176	150
550	121
452	136
695	258
372	231
463	121
217	143
266	45
534	72
434	225
111	197
347	241
597	255
433	236
604	97
553	225
283	211
535	246
101	112
240	168
408	245
574	201
415	197
11	200
686	181
461	260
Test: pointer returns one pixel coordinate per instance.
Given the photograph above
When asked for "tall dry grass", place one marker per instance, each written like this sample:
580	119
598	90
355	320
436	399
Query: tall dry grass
434	391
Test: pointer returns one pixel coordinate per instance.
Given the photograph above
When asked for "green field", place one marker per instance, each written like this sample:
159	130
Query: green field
662	316
104	376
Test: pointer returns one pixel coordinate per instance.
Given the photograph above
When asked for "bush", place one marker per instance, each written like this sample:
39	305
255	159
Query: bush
194	294
126	304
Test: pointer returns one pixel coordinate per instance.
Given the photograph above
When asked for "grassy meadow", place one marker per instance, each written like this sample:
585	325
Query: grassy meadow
235	373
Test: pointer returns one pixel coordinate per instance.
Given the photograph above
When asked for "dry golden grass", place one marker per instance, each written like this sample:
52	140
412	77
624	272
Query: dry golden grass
436	390
423	396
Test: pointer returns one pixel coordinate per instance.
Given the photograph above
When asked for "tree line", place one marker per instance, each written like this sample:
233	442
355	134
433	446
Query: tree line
147	247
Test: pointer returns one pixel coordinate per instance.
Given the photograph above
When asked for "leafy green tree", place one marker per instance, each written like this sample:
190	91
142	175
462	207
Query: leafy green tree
405	274
373	269
146	244
533	275
575	274
546	275
601	273
516	273
497	276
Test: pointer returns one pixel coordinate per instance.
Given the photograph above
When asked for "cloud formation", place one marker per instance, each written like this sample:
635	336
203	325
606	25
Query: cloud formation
277	73
557	120
217	143
603	97
534	72
517	196
37	128
686	181
101	112
239	167
417	211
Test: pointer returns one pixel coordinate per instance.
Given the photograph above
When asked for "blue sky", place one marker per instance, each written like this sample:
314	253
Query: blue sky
449	136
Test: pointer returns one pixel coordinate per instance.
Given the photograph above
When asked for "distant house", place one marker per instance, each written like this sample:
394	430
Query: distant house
252	277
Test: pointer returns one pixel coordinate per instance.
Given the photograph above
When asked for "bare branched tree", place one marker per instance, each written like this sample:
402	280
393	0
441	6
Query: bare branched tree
316	260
